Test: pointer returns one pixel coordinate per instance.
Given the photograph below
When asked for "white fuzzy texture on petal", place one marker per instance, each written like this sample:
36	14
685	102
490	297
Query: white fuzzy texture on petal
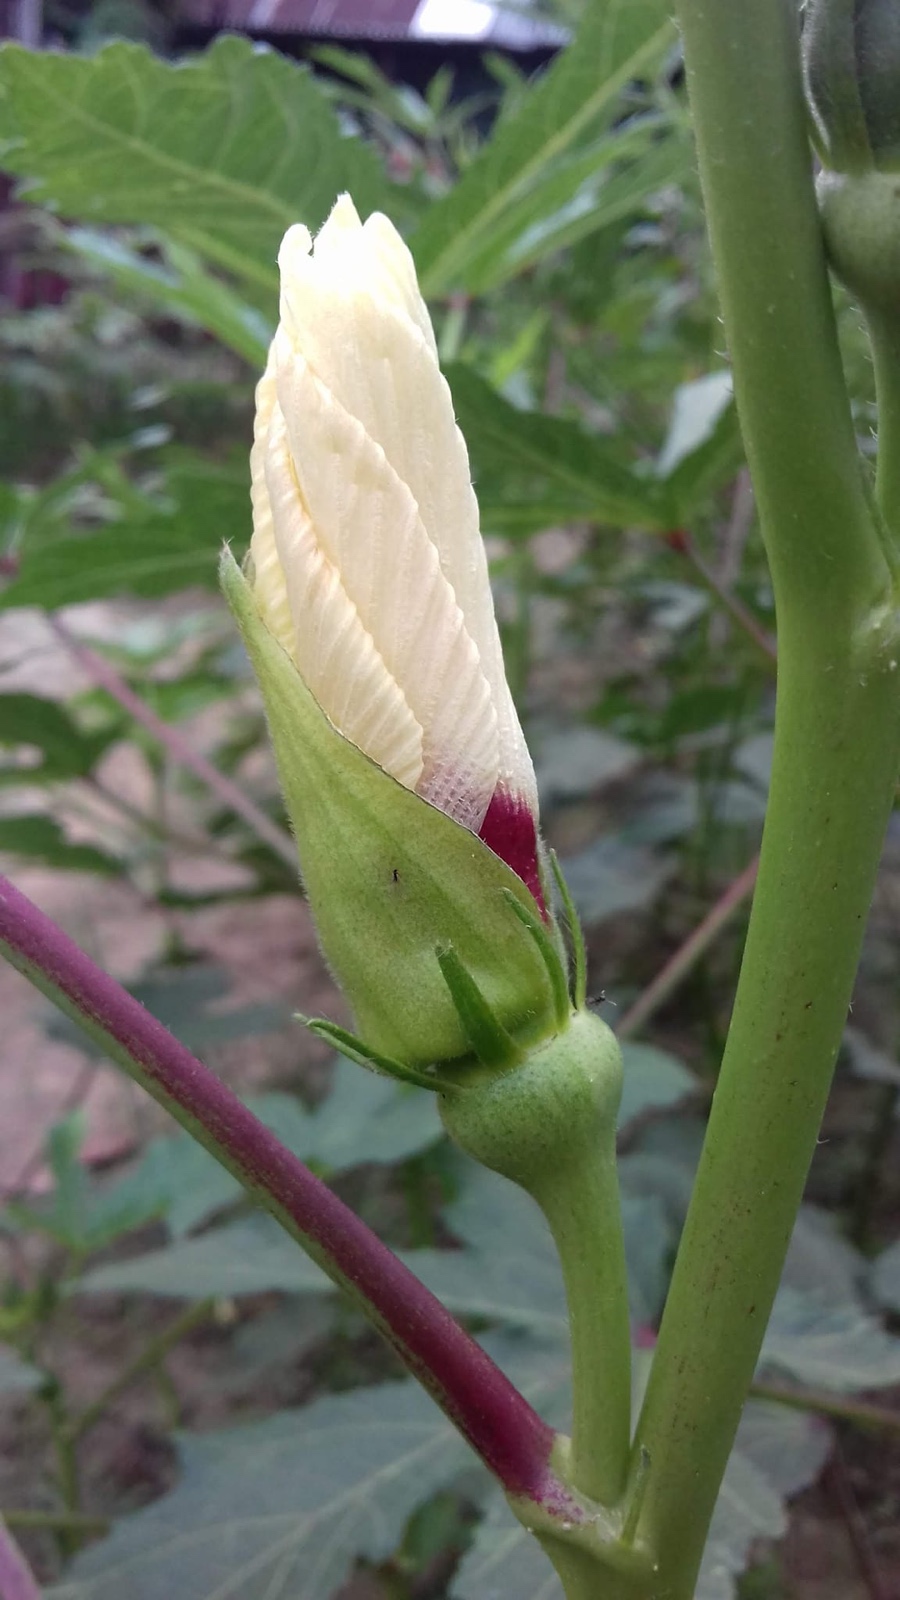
361	473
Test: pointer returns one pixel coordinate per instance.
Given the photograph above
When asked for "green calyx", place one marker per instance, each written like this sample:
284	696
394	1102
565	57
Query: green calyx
851	55
393	886
559	1105
861	222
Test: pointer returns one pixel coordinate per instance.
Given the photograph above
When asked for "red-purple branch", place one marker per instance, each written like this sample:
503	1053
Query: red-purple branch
17	1581
505	1431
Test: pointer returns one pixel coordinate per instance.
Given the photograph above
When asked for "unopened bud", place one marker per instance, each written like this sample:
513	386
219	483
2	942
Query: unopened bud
367	614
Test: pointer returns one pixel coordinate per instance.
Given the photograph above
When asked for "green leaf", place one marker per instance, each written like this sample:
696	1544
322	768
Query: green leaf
362	1120
531	471
867	1061
181	998
822	1261
176	1179
575	761
16	1376
697	409
78	1212
618	41
279	1508
252	1256
778	1452
369	1119
885	1279
577	196
504	1560
509	1273
748	1508
610	877
148	552
654	1080
703	449
788	1447
827	1346
181	286
39	838
66	751
223	151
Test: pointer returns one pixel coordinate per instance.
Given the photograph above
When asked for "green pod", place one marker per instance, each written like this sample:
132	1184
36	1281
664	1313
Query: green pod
392	882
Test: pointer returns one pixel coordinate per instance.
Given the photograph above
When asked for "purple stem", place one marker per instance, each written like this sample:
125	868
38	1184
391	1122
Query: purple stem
17	1581
180	748
500	1425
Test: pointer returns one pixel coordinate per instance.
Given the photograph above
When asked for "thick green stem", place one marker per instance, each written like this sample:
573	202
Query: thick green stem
836	745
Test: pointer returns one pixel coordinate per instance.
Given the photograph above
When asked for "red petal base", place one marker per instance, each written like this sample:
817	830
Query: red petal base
509	830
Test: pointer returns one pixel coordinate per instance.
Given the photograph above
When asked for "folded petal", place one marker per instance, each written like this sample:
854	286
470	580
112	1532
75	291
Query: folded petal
352	309
367	525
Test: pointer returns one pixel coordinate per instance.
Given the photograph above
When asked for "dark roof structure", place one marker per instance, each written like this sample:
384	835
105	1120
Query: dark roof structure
458	22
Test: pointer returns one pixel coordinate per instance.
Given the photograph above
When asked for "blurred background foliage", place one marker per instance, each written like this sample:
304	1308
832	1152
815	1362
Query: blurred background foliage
556	224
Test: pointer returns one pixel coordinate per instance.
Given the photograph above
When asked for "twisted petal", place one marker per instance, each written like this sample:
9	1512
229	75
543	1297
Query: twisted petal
352	308
369	567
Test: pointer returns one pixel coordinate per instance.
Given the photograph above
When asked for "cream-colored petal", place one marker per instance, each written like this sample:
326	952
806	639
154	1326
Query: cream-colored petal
269	584
334	653
368	526
349	257
378	366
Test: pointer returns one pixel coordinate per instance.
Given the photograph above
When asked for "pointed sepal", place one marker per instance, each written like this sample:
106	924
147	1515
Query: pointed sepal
487	1037
356	1049
576	936
549	954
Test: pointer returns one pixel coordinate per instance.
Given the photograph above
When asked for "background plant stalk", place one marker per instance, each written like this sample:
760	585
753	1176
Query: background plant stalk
835	760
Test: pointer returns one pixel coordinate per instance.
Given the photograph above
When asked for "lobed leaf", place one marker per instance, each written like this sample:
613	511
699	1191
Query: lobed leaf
223	151
619	41
532	471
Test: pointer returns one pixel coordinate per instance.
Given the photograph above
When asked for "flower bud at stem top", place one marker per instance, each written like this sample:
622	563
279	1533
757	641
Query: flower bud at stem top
368	563
367	614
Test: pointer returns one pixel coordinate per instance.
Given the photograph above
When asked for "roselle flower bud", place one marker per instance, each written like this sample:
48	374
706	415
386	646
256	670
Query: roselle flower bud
368	616
369	564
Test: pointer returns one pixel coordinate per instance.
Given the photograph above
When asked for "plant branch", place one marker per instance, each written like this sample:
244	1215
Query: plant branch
152	1354
179	748
685	545
17	1581
837	738
68	1521
498	1422
672	975
856	1412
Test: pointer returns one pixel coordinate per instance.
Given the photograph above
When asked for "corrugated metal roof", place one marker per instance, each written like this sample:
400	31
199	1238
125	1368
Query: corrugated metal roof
454	21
